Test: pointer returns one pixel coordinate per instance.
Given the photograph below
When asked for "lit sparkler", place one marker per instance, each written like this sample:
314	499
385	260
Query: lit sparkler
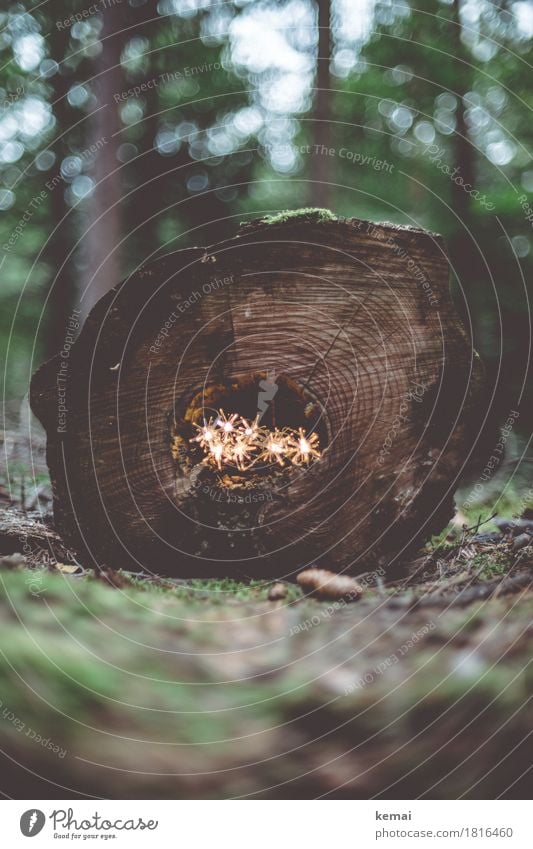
304	448
206	434
226	423
233	440
275	447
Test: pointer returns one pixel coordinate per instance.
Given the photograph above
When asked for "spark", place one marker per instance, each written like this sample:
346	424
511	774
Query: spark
241	452
251	429
216	453
226	423
205	436
234	440
275	448
305	449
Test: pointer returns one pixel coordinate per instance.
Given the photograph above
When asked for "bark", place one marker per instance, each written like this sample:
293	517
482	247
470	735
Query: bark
355	322
475	291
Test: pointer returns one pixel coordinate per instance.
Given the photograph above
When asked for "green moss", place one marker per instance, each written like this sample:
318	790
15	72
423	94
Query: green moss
309	214
215	591
487	566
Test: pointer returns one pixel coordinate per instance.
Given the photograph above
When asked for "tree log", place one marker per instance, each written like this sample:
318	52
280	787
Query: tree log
350	324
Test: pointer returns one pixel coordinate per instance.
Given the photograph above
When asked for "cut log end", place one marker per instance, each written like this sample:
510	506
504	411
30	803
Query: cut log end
342	329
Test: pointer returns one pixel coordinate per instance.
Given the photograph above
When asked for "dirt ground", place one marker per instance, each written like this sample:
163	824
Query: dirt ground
149	689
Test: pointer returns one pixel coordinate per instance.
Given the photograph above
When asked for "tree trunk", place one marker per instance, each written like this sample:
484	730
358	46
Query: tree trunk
463	148
104	228
476	296
354	325
61	294
148	168
320	159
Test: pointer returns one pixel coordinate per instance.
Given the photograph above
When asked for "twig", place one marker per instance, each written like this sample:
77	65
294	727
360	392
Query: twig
476	527
480	591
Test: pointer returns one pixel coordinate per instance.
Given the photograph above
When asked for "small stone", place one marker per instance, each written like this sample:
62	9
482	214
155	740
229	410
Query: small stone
521	541
277	592
515	527
12	561
329	586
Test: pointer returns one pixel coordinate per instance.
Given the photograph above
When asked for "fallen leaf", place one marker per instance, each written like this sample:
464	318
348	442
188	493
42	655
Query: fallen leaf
66	568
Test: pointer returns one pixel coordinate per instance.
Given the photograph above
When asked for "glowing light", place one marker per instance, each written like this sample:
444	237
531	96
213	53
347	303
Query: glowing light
216	454
205	436
226	423
251	429
275	447
233	441
306	448
241	453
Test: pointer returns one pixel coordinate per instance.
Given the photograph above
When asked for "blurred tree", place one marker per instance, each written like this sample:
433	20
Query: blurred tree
322	177
427	95
463	153
56	252
102	240
142	62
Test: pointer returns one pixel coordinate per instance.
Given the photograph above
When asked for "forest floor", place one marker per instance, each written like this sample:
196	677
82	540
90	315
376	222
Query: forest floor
115	685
